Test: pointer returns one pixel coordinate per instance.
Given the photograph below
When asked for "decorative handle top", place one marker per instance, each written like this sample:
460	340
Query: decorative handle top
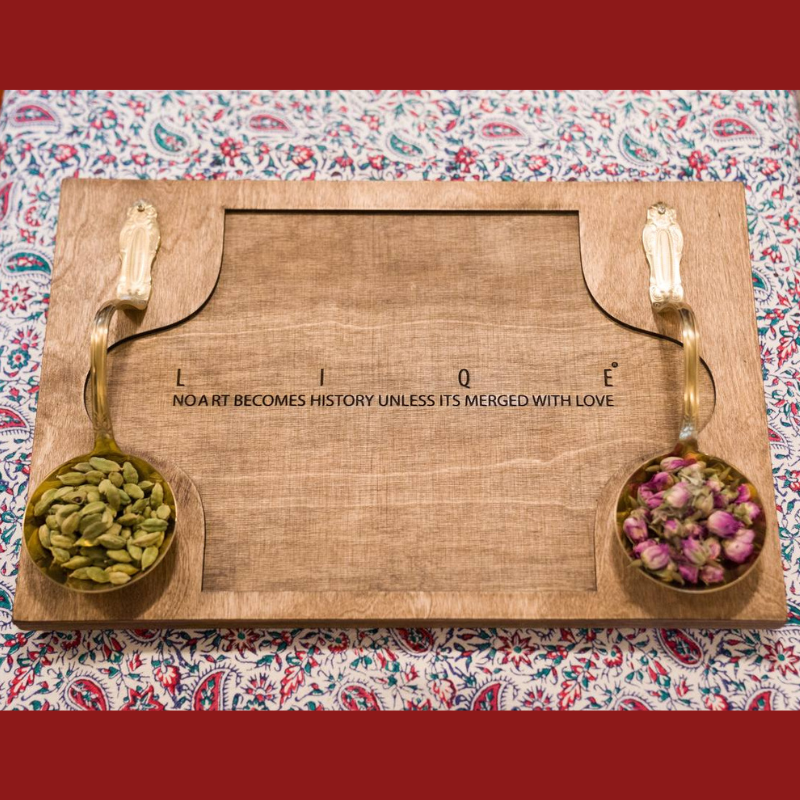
663	245
138	244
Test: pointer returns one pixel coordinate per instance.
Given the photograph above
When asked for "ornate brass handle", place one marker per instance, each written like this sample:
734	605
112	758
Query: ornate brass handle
663	245
139	241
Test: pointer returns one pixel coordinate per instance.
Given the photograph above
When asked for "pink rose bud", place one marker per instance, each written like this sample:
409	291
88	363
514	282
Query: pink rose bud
672	527
712	573
694	472
694	551
693	529
678	496
661	481
749	510
714	548
737	549
673	463
704	503
653	555
744	494
720	501
635	528
723	524
714	484
689	572
746	535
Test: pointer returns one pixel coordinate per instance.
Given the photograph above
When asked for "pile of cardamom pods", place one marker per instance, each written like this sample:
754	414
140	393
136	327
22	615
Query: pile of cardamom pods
103	524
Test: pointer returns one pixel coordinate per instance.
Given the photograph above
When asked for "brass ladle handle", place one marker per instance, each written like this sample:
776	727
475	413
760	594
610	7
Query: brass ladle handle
663	245
139	241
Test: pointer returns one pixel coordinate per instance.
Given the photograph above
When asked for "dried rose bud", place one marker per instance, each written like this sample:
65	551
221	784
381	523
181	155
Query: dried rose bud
647	498
678	496
694	551
743	494
703	502
694	472
654	556
723	524
689	572
714	484
714	548
673	463
693	529
635	527
672	528
748	512
712	573
738	549
661	481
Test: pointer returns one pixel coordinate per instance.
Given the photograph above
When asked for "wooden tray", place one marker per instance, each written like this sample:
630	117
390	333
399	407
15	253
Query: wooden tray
267	295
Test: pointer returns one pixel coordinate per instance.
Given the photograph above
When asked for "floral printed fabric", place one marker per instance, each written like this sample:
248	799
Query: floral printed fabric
747	136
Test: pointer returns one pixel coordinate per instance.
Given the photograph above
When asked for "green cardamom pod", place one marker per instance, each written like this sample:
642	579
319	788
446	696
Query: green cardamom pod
95	529
80	574
146	539
163	511
119	555
88	520
157	496
113	498
70	524
84	466
104	465
45	501
153	524
110	541
44	536
134	550
62	540
98	507
95	477
149	556
118	578
72	478
76	562
64	511
133	491
97	575
116	479
128	569
129	473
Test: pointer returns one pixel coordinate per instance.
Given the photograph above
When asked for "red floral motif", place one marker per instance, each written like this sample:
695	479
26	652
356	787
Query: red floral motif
231	148
142	700
15	298
781	658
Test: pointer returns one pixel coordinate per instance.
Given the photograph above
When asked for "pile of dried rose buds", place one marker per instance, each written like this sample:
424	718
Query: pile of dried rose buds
691	523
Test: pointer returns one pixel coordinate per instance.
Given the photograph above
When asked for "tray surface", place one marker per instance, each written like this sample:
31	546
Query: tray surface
403	403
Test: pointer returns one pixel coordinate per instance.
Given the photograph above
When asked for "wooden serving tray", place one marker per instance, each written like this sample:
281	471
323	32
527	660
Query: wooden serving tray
402	403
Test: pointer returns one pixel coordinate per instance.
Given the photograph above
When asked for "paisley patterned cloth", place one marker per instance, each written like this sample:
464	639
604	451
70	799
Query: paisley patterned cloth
377	134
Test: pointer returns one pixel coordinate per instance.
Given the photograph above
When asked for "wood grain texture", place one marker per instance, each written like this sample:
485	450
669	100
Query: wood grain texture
402	515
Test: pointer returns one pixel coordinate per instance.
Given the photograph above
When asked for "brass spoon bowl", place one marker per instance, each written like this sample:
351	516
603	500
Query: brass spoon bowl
663	244
138	245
